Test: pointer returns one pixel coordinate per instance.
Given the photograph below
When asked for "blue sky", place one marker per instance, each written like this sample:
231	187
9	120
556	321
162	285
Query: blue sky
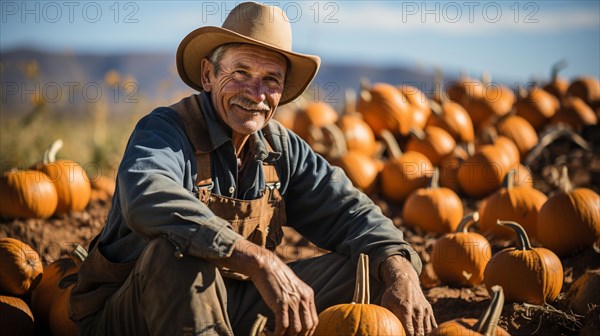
511	39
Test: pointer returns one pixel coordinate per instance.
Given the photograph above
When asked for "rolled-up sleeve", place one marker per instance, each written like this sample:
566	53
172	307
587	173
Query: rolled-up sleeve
323	206
152	196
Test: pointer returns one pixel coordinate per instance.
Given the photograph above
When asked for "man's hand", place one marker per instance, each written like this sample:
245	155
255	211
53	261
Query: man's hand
404	298
289	298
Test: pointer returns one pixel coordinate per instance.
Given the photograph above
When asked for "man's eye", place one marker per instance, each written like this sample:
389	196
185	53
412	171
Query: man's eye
241	73
273	80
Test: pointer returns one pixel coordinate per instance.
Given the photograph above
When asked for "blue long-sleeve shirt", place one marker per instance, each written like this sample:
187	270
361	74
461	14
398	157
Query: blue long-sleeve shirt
155	195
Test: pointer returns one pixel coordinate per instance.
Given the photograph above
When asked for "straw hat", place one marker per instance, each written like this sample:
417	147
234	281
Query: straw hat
252	23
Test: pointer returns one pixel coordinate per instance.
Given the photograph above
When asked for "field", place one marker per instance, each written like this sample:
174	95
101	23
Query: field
96	134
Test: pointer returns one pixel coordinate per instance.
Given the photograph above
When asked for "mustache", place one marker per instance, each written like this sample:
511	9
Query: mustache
249	104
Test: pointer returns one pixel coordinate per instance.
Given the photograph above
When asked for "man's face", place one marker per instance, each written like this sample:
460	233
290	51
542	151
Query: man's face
247	88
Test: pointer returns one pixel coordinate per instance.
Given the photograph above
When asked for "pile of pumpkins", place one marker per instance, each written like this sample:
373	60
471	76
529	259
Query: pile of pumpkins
35	297
473	141
47	188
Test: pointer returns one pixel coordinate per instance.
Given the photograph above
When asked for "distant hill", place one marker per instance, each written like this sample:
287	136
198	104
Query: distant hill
154	75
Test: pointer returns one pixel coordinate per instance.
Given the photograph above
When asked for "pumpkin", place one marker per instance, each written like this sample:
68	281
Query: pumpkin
516	203
48	290
452	118
575	113
486	325
385	108
359	317
317	114
69	178
465	89
20	266
16	316
495	101
522	175
557	86
527	274
433	142
403	173
459	258
60	323
361	169
433	209
359	136
27	194
585	292
587	88
570	219
483	173
420	110
103	188
519	131
449	166
538	106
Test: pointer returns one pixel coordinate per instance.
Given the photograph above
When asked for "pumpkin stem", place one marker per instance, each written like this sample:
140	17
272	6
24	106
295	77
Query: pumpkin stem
509	179
564	184
350	102
78	254
361	290
391	144
467	221
258	328
50	152
436	108
418	133
470	148
339	140
524	243
365	85
556	67
487	323
438	83
435	179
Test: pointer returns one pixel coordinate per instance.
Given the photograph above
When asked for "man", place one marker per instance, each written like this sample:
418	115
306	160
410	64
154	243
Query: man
203	190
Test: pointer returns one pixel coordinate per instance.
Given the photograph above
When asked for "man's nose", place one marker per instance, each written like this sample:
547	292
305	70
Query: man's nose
255	90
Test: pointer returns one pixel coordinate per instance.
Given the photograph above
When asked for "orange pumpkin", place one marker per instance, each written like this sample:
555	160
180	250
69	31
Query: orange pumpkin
60	323
449	167
527	274
519	131
103	188
16	316
69	178
486	325
516	203
454	119
483	173
418	101
570	219
48	290
315	114
459	258
385	108
359	317
27	194
433	209
361	169
575	113
403	173
359	136
21	267
538	106
433	142
587	88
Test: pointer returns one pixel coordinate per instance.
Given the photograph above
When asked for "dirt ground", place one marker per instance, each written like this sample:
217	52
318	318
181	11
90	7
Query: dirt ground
52	237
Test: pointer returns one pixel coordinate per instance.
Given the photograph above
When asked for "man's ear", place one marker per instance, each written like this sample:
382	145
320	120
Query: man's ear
206	70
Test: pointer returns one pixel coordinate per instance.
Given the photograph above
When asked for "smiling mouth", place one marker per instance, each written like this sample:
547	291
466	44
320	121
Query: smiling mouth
249	110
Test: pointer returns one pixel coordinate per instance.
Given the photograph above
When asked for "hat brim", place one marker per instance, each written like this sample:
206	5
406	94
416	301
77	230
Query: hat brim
200	42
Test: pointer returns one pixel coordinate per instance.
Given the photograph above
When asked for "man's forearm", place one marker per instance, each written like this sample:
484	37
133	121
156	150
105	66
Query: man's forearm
396	268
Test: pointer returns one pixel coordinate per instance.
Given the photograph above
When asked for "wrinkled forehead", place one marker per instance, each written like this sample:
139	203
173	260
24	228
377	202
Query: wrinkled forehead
243	51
